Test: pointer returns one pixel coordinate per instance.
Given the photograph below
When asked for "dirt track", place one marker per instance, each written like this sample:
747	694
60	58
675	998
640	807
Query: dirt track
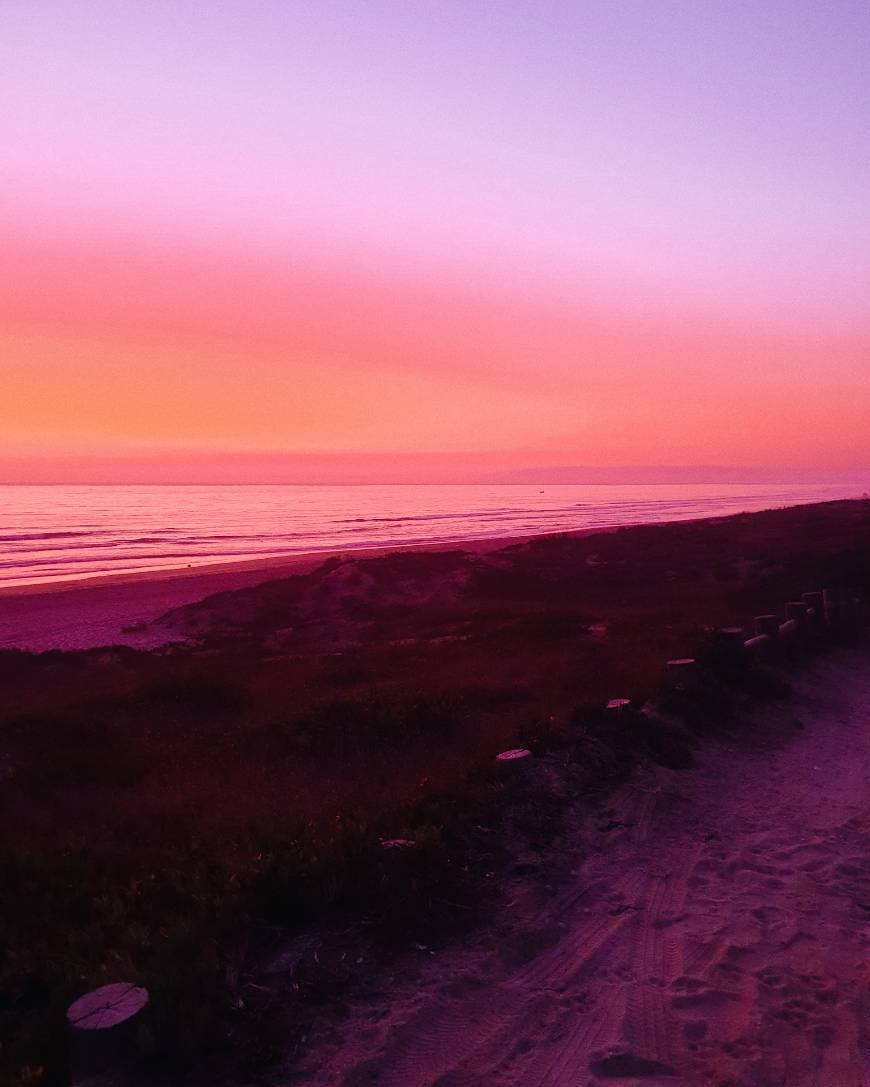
714	932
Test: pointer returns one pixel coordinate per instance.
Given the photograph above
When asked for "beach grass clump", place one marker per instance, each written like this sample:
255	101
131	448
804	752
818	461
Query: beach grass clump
342	728
86	752
193	690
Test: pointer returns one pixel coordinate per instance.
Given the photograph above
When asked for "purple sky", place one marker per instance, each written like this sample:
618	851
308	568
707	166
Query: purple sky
697	162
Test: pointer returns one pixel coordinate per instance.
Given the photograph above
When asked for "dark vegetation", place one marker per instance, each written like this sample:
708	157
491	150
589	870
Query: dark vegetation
172	818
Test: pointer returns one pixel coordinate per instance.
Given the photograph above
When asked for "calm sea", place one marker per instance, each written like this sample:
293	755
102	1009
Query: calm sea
62	532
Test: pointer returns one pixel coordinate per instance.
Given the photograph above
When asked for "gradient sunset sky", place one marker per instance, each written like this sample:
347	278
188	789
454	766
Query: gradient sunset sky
322	240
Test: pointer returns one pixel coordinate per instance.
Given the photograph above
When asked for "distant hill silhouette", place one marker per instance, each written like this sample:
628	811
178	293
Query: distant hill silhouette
650	474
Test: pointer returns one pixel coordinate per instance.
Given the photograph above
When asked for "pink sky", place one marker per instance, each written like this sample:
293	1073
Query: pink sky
432	241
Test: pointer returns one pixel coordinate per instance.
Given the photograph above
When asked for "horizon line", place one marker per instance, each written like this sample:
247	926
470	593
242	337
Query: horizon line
809	482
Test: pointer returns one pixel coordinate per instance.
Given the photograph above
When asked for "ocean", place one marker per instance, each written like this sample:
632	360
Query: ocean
59	533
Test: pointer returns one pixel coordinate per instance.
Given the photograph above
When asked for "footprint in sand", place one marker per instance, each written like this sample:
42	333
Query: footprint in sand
804	1002
695	1030
740	1049
768	915
688	984
624	1065
816	865
771	978
703	1000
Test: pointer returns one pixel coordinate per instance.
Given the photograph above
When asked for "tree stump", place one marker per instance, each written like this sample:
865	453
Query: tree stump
680	672
797	609
512	756
513	766
101	1029
831	598
816	602
767	624
729	644
759	645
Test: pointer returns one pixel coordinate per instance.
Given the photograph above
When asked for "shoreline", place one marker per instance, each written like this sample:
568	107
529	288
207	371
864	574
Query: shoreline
90	612
115	609
299	562
304	559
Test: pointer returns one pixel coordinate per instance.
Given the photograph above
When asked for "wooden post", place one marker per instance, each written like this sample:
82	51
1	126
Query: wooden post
851	606
816	602
730	643
767	624
681	674
514	767
797	610
514	754
757	645
831	601
511	759
101	1030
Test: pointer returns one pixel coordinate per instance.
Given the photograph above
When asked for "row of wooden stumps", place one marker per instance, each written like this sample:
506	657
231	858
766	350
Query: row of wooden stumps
818	613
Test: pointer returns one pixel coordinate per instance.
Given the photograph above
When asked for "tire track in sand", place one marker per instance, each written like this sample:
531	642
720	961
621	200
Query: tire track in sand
719	937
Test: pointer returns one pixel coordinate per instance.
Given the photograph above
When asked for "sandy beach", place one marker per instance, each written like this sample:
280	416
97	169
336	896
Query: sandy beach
89	612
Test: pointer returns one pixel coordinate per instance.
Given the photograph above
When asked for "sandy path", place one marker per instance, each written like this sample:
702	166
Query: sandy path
718	936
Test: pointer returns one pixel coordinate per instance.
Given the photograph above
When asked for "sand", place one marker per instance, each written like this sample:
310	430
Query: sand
713	933
80	615
74	615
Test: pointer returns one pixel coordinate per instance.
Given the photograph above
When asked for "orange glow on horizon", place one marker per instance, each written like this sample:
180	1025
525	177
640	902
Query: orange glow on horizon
163	348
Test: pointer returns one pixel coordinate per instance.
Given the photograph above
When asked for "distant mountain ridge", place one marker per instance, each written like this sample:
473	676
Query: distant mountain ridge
660	474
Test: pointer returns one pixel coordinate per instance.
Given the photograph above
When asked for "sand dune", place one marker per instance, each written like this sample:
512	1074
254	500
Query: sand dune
714	932
109	610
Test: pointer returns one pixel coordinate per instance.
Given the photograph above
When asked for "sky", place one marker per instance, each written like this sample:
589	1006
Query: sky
403	240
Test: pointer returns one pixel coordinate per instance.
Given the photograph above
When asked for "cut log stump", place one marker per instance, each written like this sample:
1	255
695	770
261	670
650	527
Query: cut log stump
815	601
797	610
767	624
729	645
101	1030
513	755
